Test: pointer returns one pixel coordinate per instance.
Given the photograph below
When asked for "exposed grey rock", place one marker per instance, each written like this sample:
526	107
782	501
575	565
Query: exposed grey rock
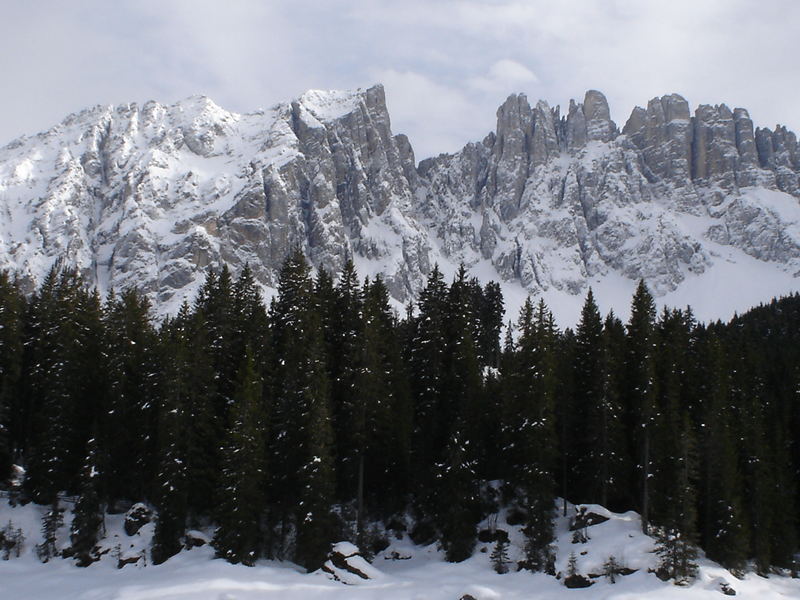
575	131
511	154
715	155
599	125
664	134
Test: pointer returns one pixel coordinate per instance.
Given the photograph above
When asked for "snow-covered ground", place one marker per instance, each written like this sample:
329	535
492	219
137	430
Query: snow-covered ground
401	572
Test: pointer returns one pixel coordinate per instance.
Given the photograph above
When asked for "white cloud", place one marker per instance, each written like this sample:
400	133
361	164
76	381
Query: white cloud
437	118
446	65
504	76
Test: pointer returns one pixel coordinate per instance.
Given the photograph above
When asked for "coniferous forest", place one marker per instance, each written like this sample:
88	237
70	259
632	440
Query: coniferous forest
308	421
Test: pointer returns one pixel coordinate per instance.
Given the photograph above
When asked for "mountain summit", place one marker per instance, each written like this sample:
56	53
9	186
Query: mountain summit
701	205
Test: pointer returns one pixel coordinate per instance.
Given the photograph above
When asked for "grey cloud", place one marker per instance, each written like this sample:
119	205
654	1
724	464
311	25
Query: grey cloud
438	60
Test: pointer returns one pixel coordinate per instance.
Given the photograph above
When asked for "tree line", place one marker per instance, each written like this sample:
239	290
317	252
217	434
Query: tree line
313	419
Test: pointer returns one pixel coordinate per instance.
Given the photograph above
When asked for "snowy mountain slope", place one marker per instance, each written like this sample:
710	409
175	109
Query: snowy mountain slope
402	571
150	195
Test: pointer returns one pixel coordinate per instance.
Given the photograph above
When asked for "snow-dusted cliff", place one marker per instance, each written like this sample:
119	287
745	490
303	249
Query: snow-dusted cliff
702	206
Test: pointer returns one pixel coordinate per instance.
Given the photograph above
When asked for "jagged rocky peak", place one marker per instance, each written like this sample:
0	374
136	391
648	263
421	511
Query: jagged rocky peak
554	213
599	125
541	133
779	152
715	156
151	195
715	146
663	132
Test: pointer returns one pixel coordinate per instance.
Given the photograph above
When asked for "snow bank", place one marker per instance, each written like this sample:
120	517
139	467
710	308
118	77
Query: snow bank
407	572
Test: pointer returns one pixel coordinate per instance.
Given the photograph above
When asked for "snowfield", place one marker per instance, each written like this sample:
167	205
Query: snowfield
401	572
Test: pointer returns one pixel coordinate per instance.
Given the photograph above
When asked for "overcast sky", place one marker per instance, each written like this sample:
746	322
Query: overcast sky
446	65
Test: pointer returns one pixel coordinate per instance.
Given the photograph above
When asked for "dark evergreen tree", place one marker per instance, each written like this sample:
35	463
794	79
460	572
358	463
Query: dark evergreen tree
529	429
490	321
726	533
382	390
426	356
676	556
673	472
128	428
215	306
640	391
249	317
239	537
87	520
302	439
52	521
316	525
12	306
593	446
193	368
171	481
499	556
56	376
620	483
456	487
342	321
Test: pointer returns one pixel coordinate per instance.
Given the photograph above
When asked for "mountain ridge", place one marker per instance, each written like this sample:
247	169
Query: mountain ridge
151	195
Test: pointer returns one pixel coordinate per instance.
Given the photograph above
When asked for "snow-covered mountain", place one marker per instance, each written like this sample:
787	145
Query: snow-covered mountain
705	208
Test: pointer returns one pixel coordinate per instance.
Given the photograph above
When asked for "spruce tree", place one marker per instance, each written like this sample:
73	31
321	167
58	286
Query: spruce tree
203	430
674	454
12	306
593	445
342	321
171	485
128	429
611	569
382	389
620	483
87	520
640	391
239	537
52	521
55	380
499	556
457	512
426	358
490	312
456	487
529	429
315	521
676	556
249	316
726	533
216	303
301	442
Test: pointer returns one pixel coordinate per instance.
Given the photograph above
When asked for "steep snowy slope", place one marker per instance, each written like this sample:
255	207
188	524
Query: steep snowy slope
704	207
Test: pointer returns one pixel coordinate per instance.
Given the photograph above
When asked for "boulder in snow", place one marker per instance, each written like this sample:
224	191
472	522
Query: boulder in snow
584	519
346	564
195	539
136	517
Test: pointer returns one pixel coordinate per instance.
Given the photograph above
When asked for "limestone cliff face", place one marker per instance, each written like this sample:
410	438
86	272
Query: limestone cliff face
579	200
151	195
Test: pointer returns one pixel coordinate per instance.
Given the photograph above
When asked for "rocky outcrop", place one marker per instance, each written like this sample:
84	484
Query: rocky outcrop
591	201
346	565
137	517
152	195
